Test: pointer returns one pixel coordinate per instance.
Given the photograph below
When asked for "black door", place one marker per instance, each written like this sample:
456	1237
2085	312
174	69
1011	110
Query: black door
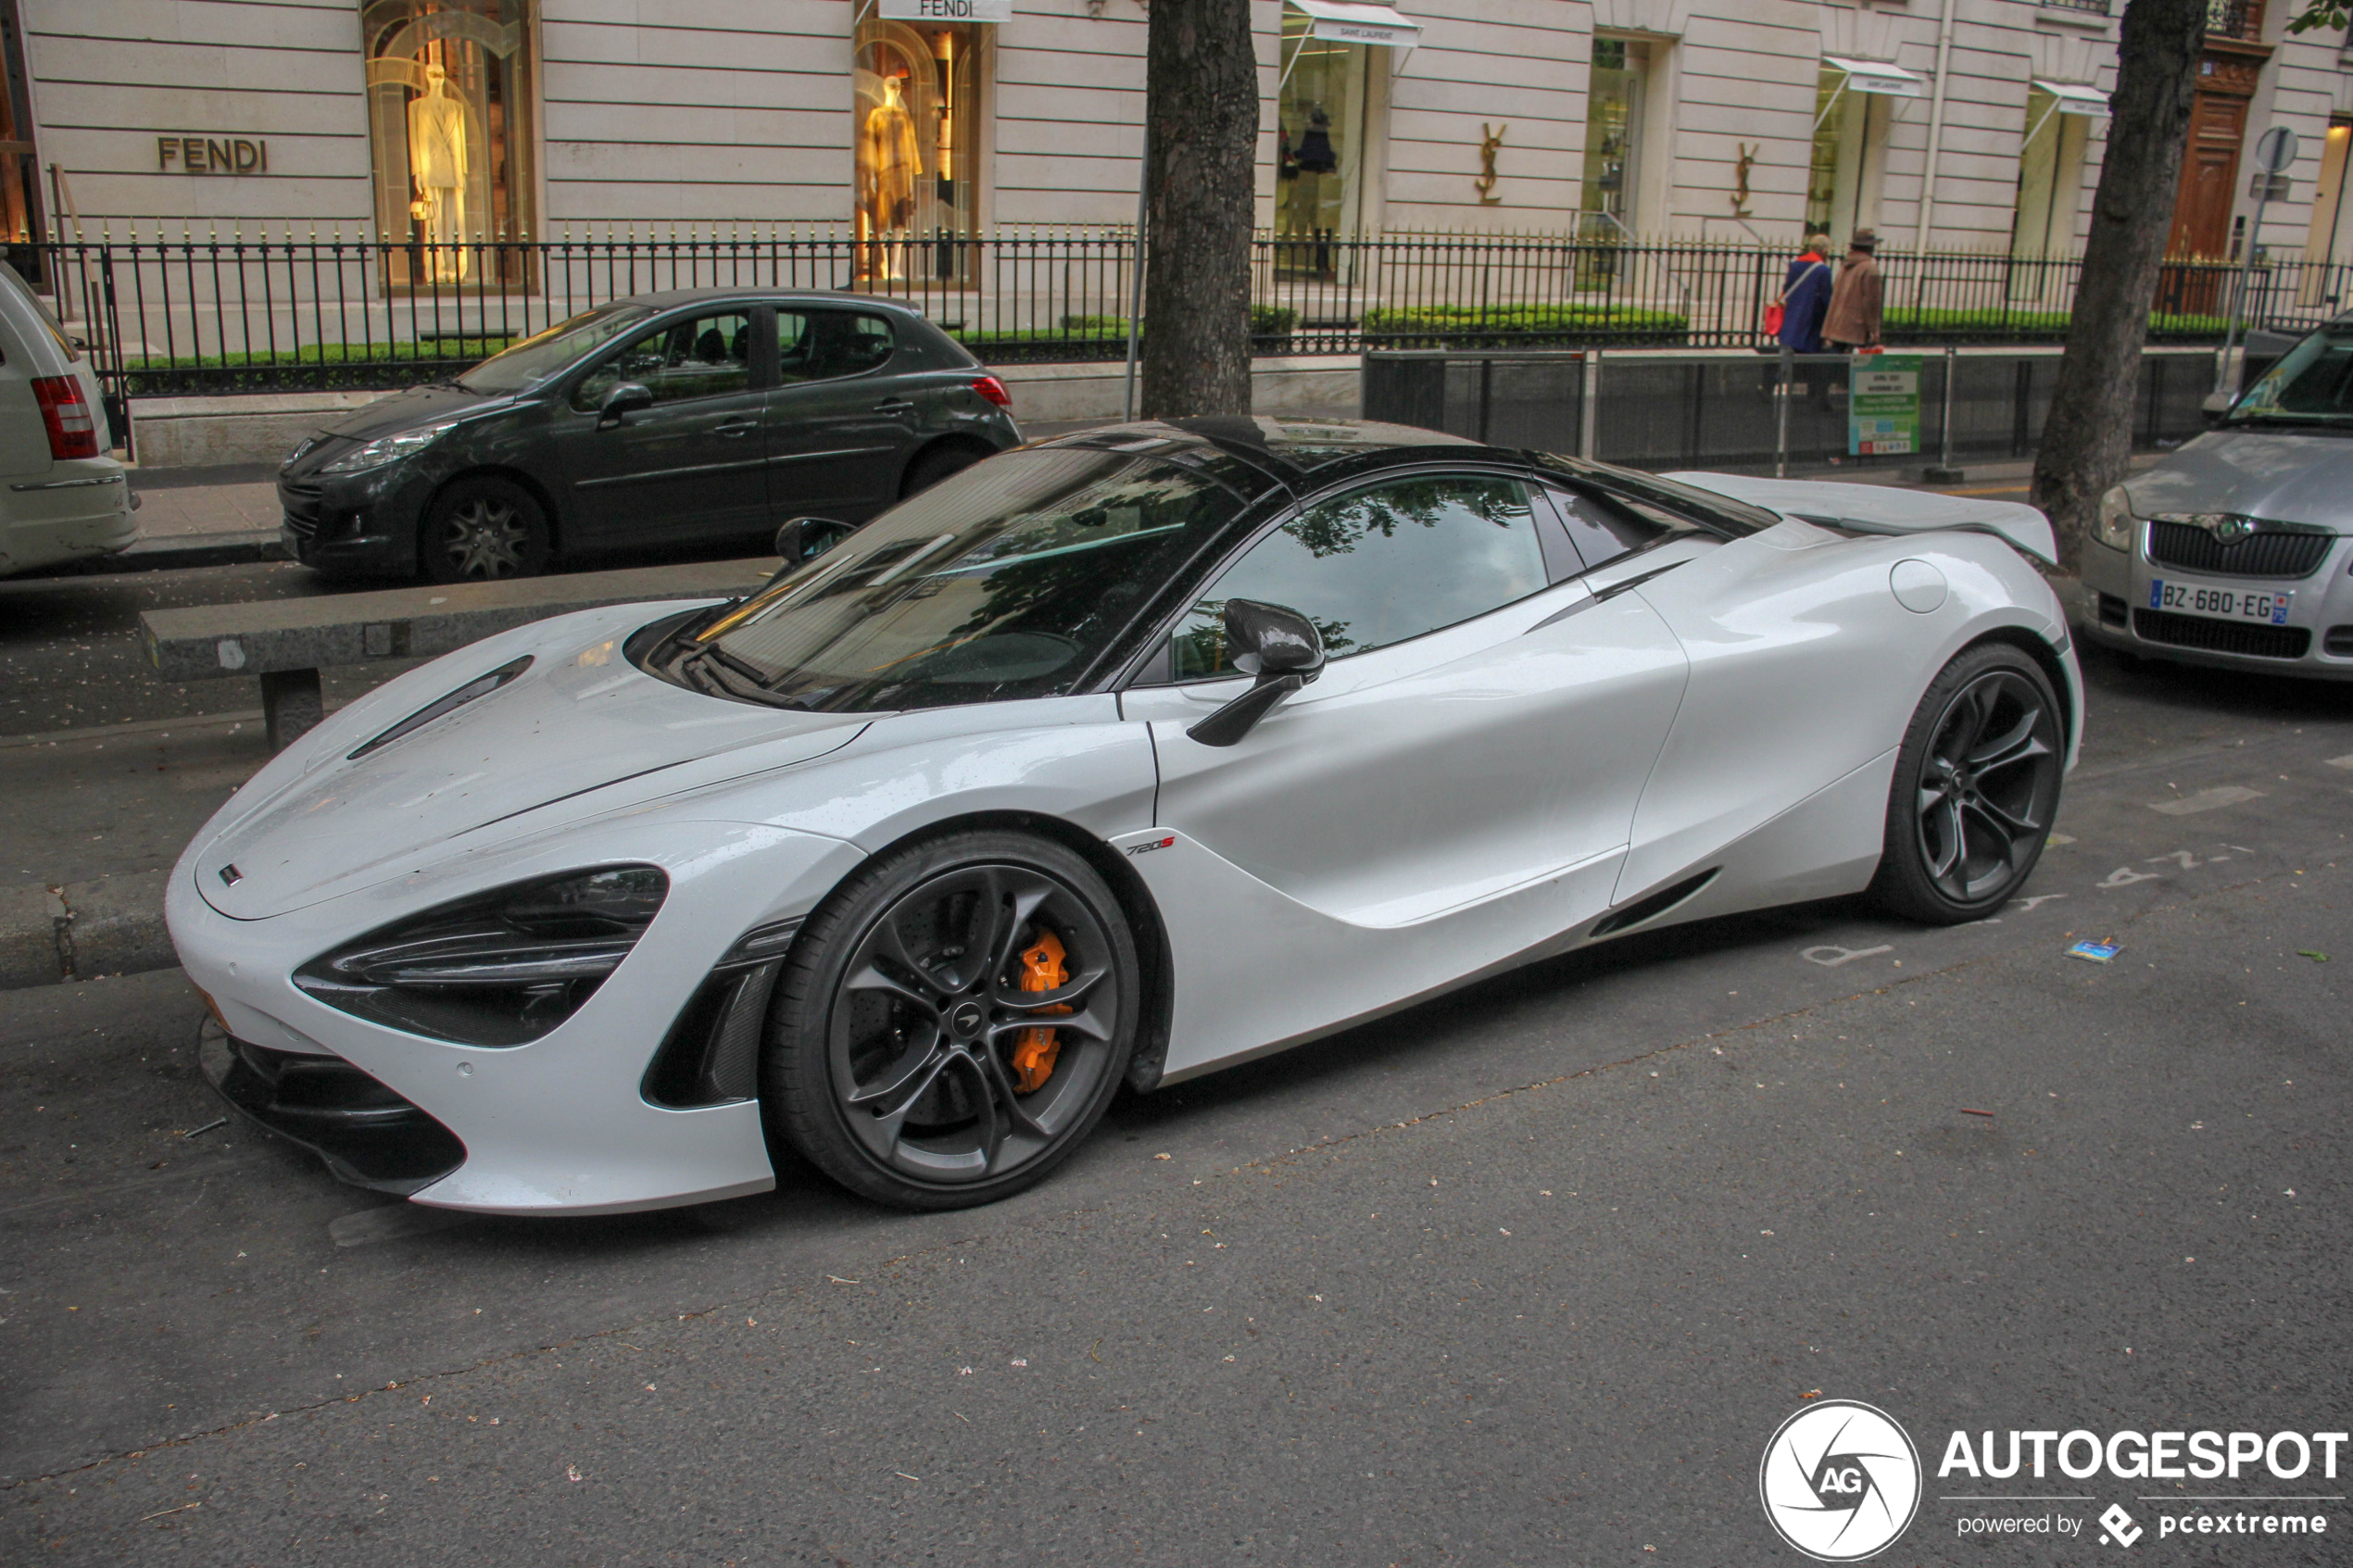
842	419
692	466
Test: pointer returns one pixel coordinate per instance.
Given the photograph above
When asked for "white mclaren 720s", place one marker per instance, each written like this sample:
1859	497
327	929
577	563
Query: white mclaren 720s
1114	758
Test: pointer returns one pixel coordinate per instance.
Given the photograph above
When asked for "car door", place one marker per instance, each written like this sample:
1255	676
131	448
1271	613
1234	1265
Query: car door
1473	729
692	467
841	423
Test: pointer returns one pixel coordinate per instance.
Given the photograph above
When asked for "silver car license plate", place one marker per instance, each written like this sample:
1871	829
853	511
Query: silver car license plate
2268	607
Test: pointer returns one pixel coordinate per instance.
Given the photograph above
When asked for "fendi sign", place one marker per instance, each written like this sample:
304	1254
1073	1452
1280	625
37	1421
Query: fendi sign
212	154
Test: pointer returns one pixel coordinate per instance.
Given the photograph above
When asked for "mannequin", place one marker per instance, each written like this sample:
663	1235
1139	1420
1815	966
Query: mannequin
439	138
894	161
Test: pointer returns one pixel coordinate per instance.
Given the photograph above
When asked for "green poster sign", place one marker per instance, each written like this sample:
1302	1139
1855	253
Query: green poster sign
1883	405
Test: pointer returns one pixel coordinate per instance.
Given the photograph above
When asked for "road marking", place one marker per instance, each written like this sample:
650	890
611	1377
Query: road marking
2207	800
2181	857
2124	876
1841	955
2341	762
2026	906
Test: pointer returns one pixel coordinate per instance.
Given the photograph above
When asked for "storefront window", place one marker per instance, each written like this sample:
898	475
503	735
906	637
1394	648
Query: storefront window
2050	176
19	170
1829	130
1319	148
917	90
1612	123
449	104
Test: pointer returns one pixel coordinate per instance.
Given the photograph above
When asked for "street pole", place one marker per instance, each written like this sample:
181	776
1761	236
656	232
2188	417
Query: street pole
1780	434
1135	284
2274	151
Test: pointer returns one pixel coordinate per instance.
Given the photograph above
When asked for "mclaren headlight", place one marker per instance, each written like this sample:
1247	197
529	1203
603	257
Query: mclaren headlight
2116	522
387	450
498	968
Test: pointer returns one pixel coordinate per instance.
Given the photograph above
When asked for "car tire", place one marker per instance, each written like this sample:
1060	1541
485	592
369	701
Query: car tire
483	529
1977	786
935	465
897	1043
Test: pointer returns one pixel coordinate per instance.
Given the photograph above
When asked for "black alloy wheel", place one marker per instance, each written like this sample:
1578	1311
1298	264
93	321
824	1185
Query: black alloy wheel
1977	786
905	1058
483	529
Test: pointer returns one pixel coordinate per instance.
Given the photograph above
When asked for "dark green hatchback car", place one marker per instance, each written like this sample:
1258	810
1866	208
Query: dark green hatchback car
694	418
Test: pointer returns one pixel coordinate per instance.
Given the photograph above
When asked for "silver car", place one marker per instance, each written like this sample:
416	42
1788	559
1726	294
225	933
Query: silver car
62	495
2232	552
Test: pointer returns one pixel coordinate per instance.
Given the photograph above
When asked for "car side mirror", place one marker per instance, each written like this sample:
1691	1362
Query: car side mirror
629	397
1277	645
805	538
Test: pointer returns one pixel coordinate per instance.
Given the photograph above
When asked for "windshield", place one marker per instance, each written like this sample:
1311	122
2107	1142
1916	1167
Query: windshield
2313	385
1008	580
535	358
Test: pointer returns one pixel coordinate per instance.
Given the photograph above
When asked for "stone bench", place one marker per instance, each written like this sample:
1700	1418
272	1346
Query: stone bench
287	642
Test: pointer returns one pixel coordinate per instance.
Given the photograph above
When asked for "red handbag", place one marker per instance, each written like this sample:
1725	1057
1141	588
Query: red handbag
1774	316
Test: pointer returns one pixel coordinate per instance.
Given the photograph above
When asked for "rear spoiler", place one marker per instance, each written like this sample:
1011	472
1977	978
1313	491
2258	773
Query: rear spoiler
1879	509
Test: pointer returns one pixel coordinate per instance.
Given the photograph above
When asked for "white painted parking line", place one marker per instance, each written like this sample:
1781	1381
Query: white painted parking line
2207	800
2345	762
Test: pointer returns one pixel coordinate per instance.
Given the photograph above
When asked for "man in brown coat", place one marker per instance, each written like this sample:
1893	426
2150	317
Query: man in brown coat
1853	319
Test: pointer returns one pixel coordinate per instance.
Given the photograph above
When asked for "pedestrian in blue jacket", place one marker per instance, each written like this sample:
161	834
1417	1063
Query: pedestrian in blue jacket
1805	298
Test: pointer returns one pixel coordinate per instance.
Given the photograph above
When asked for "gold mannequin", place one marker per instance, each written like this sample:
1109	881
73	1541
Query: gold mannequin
894	161
439	136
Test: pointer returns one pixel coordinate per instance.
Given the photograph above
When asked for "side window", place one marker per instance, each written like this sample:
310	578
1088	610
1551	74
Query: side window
701	357
796	347
1603	532
1378	566
860	343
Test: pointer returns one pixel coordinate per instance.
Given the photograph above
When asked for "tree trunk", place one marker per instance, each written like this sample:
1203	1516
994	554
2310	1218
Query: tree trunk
1200	82
2087	440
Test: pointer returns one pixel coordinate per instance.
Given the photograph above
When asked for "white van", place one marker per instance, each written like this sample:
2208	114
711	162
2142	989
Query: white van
61	496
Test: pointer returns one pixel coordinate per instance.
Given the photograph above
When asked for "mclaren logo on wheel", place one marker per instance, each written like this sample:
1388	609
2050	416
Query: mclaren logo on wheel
1840	1481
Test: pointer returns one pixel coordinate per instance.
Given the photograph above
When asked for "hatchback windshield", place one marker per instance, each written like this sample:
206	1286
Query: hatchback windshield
535	358
2313	385
1006	581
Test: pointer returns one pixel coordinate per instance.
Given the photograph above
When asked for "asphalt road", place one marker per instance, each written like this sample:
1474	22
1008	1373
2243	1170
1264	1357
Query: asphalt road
1527	1275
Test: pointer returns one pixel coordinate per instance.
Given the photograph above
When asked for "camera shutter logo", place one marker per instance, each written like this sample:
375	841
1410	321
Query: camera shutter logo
1841	1480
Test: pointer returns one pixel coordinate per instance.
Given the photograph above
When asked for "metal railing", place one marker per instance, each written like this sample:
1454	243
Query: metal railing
1717	411
206	313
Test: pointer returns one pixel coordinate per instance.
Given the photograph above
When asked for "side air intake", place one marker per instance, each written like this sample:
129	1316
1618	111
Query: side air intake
1655	905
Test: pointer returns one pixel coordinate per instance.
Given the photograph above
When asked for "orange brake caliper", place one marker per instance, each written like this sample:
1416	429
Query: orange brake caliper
1041	970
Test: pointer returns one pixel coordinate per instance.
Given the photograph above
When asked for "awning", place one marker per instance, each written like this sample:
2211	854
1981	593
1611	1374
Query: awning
2074	97
1350	22
1878	76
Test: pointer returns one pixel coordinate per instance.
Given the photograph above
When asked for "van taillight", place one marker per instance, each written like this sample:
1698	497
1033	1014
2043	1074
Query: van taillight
73	431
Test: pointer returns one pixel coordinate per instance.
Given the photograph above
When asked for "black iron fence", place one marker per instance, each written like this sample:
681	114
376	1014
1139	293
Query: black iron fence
191	314
1715	411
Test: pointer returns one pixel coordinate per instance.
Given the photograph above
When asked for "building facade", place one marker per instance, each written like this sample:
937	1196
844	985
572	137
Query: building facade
1973	125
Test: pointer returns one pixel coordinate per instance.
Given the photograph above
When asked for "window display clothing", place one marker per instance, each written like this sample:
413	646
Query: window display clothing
1315	155
438	161
895	159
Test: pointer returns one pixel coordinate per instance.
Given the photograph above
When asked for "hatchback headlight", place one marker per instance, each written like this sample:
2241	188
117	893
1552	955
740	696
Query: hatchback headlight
499	969
387	450
2115	528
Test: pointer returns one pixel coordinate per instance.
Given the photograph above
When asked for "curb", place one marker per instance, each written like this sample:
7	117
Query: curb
109	925
241	548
